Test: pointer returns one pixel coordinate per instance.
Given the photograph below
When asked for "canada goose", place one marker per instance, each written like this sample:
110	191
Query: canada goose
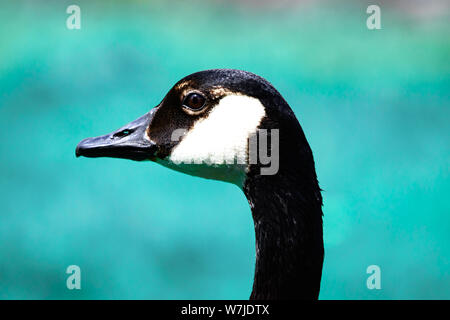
204	127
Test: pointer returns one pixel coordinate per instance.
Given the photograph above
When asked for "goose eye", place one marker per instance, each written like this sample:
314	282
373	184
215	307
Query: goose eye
194	101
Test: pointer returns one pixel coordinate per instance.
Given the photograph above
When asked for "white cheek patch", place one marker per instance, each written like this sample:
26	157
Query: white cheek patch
222	137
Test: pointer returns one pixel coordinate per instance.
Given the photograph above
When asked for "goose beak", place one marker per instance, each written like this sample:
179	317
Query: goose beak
129	142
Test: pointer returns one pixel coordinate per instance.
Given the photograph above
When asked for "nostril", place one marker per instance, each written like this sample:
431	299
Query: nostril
123	133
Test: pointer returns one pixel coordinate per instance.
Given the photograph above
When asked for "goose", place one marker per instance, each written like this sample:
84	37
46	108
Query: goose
214	124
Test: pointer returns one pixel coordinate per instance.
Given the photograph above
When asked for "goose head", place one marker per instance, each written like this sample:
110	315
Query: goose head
203	126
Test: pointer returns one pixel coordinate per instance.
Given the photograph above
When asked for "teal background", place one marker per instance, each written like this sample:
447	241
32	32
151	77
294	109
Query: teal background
375	107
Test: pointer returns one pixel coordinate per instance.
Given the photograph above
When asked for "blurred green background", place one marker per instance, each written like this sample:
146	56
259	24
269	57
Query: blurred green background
375	107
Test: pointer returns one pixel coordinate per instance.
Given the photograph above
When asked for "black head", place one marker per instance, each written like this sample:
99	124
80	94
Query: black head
202	126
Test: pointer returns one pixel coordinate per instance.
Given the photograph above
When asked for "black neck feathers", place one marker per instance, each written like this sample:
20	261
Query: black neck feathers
287	213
